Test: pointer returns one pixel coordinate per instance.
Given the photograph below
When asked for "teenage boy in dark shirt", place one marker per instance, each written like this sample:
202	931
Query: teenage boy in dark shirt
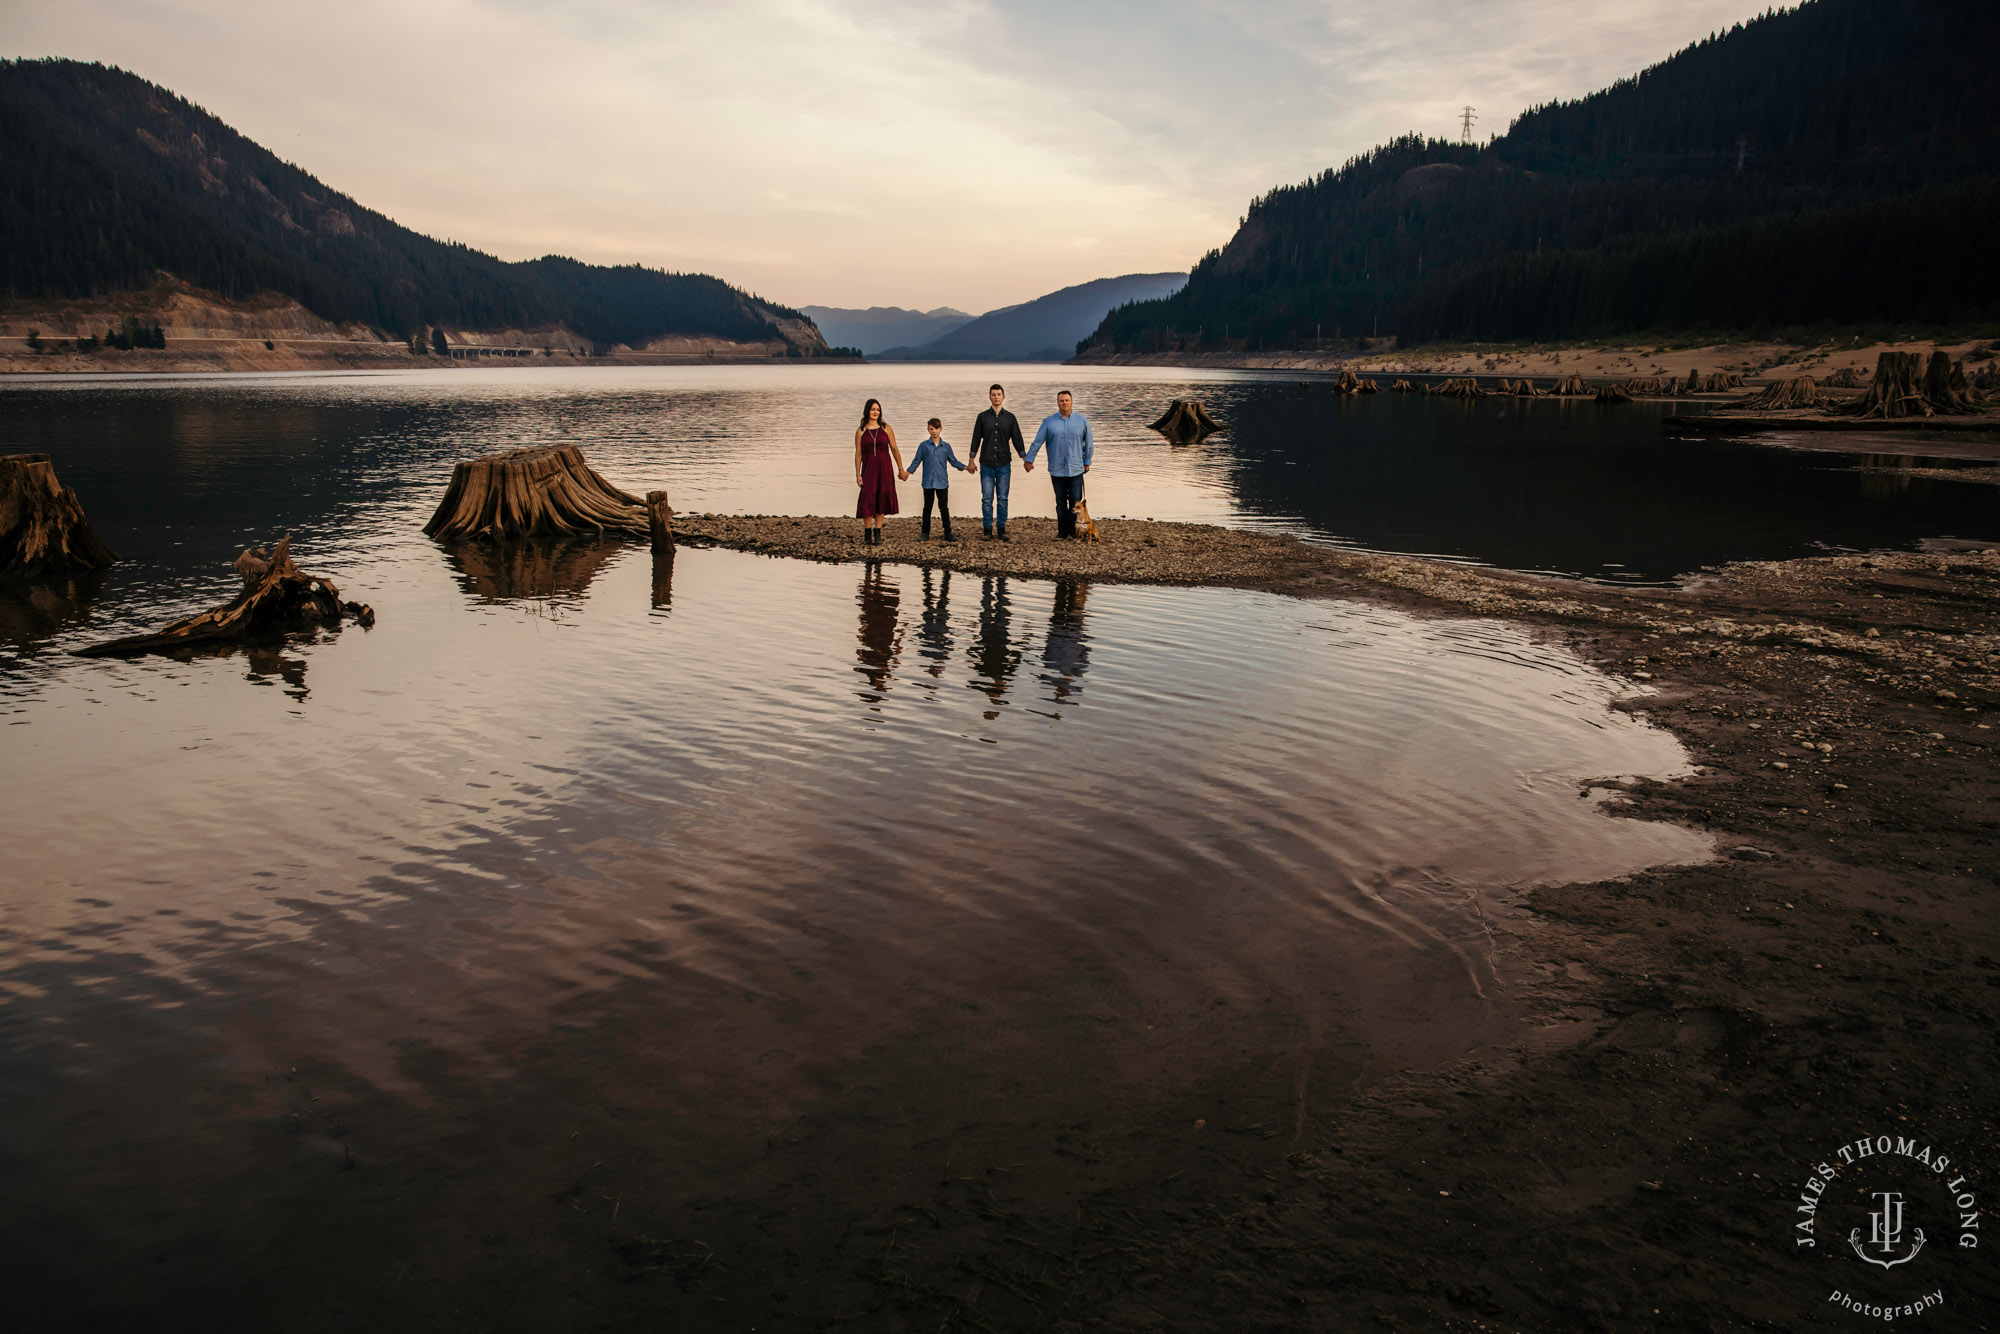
992	433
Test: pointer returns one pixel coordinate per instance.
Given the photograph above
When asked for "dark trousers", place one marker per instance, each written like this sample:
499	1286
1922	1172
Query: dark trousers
1069	493
943	499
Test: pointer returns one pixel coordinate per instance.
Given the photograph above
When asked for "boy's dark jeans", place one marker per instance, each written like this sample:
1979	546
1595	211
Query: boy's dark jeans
943	497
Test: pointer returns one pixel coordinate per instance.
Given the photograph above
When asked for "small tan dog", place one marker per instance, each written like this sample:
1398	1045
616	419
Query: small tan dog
1086	527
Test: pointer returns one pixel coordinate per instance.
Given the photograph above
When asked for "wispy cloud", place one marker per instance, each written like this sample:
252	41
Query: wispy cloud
853	152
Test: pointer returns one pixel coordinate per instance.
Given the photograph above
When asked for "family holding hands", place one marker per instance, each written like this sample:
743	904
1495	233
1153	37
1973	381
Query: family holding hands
996	438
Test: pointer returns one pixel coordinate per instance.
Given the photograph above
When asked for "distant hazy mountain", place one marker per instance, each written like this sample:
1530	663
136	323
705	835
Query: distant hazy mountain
879	327
1045	329
107	180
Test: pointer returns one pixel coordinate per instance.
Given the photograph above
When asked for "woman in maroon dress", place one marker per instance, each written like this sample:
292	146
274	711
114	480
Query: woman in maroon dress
874	447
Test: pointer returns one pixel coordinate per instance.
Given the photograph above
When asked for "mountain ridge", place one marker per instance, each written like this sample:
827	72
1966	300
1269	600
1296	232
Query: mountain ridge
1045	328
875	328
1831	165
108	180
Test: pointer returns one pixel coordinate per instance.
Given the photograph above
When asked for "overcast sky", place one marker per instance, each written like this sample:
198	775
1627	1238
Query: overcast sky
971	153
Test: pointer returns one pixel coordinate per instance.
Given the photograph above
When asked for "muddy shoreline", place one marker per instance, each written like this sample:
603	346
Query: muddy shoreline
1698	1034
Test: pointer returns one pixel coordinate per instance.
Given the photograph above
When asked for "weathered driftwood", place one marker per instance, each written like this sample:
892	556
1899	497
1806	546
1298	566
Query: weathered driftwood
1844	378
1571	386
1614	393
282	599
1904	386
1799	391
1458	386
1404	387
660	517
42	528
543	491
1186	419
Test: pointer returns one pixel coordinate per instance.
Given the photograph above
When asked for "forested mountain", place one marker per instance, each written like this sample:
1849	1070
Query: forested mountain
879	328
1044	329
1833	164
106	179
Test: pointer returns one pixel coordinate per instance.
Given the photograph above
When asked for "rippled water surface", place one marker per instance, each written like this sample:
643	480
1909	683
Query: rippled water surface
727	874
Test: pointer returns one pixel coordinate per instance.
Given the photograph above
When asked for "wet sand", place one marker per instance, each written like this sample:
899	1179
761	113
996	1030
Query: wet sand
1700	1034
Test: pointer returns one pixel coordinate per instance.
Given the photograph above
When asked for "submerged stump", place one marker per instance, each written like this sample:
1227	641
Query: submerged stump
1403	387
1614	393
1186	419
42	528
280	598
1458	386
1571	386
543	491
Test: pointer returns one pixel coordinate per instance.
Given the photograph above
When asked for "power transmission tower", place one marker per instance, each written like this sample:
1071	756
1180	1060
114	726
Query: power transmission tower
1465	119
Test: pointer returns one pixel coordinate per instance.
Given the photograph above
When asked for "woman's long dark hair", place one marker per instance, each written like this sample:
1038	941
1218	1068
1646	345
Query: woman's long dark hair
875	403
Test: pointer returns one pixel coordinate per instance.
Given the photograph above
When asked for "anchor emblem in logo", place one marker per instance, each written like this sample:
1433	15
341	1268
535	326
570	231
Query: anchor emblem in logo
1885	1231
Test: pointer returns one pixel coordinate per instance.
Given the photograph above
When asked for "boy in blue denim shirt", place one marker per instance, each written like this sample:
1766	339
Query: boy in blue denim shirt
934	456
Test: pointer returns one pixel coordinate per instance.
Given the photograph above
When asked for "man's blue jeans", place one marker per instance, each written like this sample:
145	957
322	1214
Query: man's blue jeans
993	484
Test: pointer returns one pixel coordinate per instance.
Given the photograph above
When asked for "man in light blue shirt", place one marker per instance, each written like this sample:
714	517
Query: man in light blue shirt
1067	434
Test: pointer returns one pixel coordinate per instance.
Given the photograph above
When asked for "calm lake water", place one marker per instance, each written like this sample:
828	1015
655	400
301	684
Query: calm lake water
731	888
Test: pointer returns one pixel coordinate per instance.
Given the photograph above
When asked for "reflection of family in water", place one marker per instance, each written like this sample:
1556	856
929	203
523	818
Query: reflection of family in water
993	650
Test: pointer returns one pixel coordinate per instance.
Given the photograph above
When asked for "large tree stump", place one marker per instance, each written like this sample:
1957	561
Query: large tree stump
1186	419
544	491
1797	392
1403	387
42	528
1649	385
1905	387
1714	382
282	599
1571	386
1945	388
1614	393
